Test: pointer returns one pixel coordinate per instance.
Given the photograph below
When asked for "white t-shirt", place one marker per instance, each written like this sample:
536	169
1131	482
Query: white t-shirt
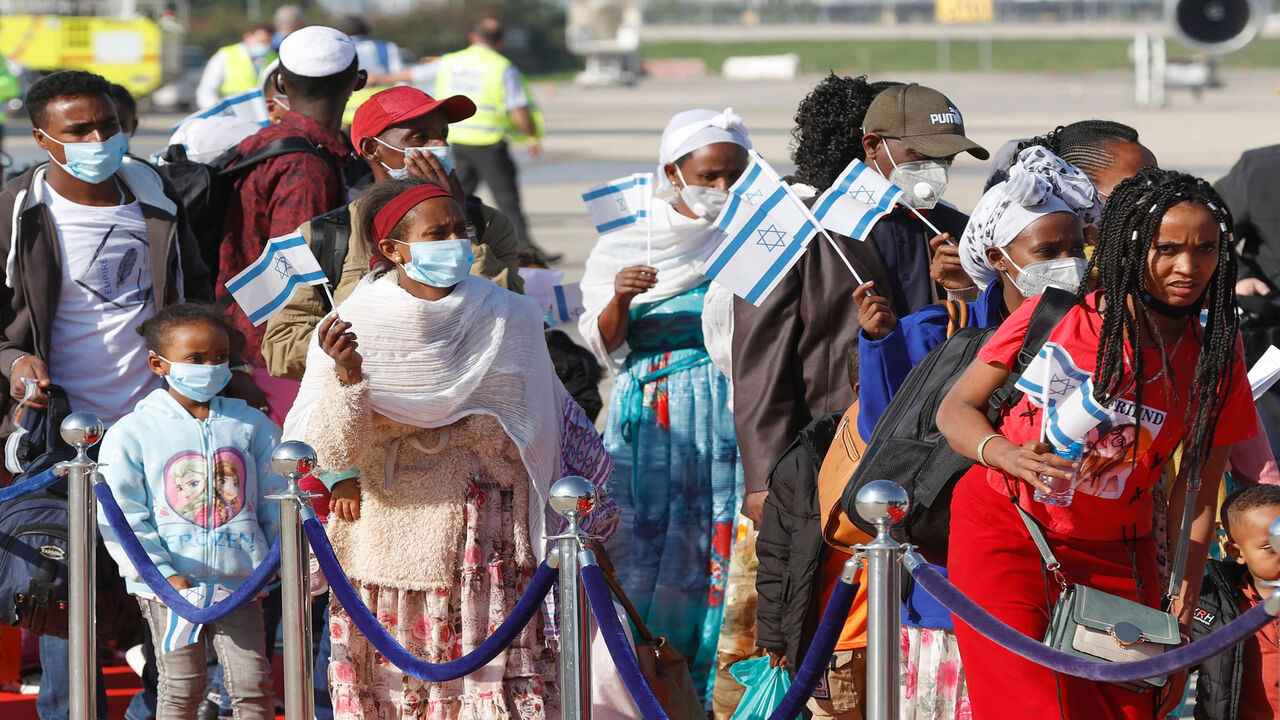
96	353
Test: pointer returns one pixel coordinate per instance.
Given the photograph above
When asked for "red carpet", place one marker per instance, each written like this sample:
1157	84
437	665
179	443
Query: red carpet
122	684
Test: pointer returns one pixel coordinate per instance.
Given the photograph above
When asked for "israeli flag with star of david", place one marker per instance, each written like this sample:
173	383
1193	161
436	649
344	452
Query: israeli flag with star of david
857	200
767	228
1070	408
267	284
619	203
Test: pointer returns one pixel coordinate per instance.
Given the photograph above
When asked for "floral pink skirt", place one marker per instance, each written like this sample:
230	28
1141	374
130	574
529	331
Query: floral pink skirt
444	624
933	686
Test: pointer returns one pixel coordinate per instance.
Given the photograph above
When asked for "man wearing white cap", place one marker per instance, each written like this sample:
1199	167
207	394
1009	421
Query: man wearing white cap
318	72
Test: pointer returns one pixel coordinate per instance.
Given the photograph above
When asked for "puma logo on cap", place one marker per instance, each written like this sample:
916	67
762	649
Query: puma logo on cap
952	117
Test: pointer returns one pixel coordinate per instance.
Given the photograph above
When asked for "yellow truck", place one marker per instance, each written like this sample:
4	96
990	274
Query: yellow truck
124	51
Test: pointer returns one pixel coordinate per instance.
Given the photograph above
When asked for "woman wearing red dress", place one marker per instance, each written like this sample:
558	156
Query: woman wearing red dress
1148	360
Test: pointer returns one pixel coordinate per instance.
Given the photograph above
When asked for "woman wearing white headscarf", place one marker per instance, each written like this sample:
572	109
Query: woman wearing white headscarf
1025	234
669	429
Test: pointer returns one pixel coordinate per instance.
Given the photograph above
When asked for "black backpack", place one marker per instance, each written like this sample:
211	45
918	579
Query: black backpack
206	190
331	238
907	447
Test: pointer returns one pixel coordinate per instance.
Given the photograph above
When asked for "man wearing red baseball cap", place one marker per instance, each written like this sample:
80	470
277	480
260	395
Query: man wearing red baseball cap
401	132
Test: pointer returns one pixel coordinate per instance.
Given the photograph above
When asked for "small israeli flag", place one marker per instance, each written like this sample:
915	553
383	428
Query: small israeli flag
766	227
267	284
857	200
1054	382
181	632
249	105
567	306
619	203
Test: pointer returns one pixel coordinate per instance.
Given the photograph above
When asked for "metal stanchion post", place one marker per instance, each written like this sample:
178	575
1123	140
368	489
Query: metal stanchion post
573	497
294	460
883	503
81	431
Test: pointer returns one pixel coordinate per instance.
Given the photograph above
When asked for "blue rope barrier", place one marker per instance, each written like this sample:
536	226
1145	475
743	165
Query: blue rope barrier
377	636
615	638
819	654
241	596
1164	664
30	485
624	657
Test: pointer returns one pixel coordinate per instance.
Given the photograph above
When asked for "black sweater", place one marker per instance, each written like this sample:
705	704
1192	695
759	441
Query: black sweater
790	545
1218	689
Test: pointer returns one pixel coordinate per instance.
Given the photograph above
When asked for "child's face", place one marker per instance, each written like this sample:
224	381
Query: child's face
198	343
1250	546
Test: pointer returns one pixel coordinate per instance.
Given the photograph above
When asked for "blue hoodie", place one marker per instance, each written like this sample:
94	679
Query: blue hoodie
156	460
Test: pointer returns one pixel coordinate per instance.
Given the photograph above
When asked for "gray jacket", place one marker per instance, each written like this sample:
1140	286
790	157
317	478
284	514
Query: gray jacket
32	273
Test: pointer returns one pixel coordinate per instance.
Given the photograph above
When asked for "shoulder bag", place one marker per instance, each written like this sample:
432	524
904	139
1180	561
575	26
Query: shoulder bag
1093	624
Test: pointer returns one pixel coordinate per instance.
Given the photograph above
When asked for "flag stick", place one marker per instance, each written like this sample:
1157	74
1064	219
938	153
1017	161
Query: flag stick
808	214
329	294
648	232
1044	399
924	220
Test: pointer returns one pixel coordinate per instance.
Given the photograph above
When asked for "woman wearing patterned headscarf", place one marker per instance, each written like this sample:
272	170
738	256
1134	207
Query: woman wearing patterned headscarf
669	429
1025	234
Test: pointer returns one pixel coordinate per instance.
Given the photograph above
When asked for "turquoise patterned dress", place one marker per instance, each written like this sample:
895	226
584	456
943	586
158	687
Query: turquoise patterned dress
677	478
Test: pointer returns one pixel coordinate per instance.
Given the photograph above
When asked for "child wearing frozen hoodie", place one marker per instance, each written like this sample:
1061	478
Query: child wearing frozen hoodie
190	470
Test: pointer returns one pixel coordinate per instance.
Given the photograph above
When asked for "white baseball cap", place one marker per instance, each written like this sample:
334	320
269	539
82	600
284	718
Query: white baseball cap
317	51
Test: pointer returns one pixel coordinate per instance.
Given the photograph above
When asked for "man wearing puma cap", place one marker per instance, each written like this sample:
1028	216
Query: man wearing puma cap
911	134
789	352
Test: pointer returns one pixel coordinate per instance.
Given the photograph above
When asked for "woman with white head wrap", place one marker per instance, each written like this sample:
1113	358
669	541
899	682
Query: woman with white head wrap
1025	234
669	428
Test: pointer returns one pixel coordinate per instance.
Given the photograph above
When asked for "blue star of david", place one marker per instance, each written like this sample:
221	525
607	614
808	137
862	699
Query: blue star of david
863	194
282	267
754	197
622	205
1060	386
771	238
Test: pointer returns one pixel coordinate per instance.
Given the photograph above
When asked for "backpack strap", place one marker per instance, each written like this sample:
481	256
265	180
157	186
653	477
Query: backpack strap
330	242
475	216
275	148
1052	307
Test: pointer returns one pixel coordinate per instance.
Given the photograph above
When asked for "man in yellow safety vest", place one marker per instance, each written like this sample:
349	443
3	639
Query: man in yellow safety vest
235	68
504	109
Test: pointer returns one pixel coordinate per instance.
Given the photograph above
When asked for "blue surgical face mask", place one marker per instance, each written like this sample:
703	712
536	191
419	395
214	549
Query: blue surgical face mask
93	162
257	51
443	153
440	263
197	382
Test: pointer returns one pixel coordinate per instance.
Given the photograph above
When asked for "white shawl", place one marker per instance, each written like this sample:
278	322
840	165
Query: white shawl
680	244
429	364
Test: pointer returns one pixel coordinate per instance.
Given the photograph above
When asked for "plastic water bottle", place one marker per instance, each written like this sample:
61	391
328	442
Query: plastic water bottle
1063	488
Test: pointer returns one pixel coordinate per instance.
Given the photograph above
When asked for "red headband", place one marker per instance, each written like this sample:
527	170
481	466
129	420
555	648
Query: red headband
391	215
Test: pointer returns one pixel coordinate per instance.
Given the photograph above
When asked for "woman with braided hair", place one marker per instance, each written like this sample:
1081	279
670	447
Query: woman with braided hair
1153	376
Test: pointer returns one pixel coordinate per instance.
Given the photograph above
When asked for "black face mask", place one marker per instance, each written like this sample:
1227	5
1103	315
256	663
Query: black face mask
1171	311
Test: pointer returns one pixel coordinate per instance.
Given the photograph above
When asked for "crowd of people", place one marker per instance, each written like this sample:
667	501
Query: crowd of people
442	407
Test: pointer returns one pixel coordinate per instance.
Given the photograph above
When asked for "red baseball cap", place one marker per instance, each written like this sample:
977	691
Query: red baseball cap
403	102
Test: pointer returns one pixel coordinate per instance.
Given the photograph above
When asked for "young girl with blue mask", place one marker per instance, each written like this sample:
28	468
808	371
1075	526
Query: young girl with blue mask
190	471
